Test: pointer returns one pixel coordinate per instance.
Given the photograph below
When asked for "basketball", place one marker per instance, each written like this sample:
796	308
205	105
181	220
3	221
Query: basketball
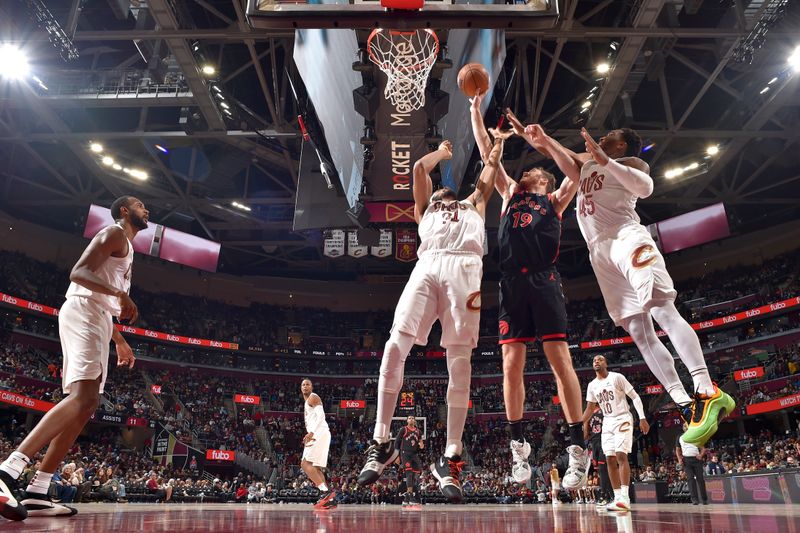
472	79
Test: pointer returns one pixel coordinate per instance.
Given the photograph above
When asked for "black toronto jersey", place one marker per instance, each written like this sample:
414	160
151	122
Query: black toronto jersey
596	425
529	234
407	442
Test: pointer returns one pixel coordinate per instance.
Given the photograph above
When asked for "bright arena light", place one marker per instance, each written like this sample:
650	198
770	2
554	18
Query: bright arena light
108	161
794	59
96	147
209	70
586	104
603	68
712	150
13	62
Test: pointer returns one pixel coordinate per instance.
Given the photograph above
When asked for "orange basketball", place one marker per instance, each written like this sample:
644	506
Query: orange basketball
472	79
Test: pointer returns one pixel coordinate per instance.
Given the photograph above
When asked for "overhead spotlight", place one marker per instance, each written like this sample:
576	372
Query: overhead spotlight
216	88
223	104
648	147
241	206
139	174
96	147
586	104
614	45
712	150
773	80
208	70
108	161
794	59
692	166
13	62
603	68
126	170
161	149
116	166
765	89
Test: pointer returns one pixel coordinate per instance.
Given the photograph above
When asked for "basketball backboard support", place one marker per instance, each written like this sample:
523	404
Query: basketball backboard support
436	14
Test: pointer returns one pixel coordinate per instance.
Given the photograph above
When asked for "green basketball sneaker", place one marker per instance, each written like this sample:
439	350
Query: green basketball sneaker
706	413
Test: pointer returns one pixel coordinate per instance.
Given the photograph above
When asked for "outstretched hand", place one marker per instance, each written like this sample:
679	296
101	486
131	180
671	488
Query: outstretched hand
594	149
499	134
519	129
446	147
475	101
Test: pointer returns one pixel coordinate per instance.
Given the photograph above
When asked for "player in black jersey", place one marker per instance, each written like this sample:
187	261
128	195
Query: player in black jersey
531	297
593	432
409	442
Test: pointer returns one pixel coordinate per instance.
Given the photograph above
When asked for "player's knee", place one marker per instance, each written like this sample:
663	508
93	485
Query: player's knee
513	364
460	369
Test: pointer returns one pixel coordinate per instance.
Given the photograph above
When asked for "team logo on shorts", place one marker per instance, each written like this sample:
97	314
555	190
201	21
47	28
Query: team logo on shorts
644	255
474	301
504	327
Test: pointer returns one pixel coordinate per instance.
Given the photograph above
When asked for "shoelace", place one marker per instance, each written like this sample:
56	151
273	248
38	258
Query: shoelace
455	469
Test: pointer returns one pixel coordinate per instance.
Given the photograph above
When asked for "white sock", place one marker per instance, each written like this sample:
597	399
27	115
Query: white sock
686	343
40	484
657	357
323	487
617	494
390	381
624	490
15	464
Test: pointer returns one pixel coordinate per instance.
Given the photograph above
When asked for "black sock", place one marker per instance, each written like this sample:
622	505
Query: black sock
576	434
515	426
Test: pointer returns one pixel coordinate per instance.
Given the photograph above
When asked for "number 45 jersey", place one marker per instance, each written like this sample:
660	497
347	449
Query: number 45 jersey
529	234
604	204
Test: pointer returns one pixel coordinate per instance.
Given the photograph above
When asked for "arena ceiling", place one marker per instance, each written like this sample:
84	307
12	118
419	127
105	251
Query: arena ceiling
686	75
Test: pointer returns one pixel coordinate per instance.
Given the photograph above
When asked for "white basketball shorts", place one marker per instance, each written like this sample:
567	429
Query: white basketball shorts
617	436
85	330
631	273
444	286
316	451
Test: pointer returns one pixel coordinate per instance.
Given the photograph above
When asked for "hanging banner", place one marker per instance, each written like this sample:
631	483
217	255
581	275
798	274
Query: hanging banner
353	248
384	248
334	243
406	245
168	450
390	212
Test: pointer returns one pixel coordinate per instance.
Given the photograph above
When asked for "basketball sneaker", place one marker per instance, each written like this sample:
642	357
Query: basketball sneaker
448	472
10	507
619	504
327	500
379	456
406	499
520	468
706	412
578	470
41	505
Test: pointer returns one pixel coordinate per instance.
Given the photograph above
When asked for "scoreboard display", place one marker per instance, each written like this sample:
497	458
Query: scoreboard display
407	401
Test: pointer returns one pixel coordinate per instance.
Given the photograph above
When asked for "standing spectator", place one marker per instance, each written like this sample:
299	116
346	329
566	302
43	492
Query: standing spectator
691	458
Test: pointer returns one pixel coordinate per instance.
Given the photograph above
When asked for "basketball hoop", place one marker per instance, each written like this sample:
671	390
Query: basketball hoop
406	57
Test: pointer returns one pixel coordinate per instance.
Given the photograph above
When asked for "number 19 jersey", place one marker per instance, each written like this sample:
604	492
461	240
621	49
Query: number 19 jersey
529	234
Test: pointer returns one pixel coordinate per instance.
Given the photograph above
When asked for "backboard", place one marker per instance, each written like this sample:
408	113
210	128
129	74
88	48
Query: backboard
436	14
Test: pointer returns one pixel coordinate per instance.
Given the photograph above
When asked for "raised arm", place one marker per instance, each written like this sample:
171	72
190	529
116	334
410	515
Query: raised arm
632	173
503	181
519	129
489	174
566	163
423	186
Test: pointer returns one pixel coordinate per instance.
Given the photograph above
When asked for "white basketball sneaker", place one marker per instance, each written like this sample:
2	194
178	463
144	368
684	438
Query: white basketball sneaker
578	471
520	468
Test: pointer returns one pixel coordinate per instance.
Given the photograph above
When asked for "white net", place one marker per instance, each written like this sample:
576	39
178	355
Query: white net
406	57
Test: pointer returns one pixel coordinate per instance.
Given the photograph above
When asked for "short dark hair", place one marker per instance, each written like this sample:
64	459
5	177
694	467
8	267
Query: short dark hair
633	141
118	204
444	192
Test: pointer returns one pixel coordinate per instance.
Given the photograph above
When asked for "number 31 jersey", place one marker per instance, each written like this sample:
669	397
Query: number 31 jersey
529	234
604	204
452	226
611	394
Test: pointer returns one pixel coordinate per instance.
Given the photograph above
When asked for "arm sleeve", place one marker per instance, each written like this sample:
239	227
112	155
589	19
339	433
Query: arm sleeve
589	396
636	181
637	404
398	441
320	418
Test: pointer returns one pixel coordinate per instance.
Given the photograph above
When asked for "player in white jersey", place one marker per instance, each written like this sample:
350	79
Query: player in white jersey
633	276
316	442
100	282
445	285
610	391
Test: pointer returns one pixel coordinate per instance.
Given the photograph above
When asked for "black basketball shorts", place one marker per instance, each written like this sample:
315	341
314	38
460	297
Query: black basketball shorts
532	307
411	463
